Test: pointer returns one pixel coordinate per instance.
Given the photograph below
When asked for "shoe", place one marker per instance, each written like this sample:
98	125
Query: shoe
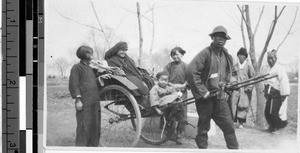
271	129
179	139
176	138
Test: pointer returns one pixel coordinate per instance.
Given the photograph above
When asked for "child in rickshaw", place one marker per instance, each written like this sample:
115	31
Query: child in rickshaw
161	95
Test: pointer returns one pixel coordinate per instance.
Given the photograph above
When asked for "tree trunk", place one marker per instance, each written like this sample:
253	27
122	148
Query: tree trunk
260	103
140	60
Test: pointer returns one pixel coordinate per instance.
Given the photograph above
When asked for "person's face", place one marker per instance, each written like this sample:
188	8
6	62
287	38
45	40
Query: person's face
89	55
177	56
163	80
122	53
219	40
271	60
242	58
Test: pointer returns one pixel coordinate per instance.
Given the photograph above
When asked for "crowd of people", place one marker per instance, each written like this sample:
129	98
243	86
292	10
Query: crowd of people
211	67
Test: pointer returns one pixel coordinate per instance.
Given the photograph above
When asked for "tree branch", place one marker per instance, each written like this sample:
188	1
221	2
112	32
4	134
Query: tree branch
243	33
100	24
147	18
289	31
153	32
270	34
79	22
260	15
280	12
242	13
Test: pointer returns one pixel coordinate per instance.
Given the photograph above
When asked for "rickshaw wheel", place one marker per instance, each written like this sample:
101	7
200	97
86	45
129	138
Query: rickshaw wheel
153	131
118	110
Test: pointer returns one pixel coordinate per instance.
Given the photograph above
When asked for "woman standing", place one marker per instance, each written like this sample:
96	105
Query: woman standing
177	69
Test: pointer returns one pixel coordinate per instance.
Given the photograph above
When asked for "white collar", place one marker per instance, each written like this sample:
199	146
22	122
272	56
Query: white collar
241	66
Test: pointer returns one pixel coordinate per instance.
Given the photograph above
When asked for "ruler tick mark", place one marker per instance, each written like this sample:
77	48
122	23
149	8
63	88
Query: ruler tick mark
12	25
12	118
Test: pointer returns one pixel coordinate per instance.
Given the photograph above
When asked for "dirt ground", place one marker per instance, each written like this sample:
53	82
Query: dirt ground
61	125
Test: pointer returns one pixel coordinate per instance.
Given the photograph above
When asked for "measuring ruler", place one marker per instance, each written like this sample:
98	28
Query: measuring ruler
22	67
10	77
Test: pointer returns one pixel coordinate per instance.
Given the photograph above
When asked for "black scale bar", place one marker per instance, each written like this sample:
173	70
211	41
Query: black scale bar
22	44
35	76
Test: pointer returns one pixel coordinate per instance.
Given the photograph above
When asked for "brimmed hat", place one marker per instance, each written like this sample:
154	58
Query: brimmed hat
242	51
179	49
219	29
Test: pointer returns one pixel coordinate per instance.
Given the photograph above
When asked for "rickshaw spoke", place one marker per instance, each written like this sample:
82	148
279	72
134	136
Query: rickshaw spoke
117	123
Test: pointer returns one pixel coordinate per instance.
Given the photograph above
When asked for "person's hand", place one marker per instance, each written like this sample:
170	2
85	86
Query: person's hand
206	95
179	94
78	104
158	111
105	76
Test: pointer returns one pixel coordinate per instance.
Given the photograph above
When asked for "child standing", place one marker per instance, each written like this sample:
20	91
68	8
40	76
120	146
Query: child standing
177	69
163	93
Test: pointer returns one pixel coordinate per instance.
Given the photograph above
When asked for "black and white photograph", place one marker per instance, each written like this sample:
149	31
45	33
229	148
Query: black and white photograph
171	75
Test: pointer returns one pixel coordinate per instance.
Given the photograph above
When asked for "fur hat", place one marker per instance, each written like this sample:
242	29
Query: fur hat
242	51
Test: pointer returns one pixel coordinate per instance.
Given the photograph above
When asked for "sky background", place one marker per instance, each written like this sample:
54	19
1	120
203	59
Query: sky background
177	23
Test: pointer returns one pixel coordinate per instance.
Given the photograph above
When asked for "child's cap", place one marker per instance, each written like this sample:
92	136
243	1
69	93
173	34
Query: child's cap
159	74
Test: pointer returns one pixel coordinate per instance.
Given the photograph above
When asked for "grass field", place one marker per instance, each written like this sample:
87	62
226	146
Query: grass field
61	124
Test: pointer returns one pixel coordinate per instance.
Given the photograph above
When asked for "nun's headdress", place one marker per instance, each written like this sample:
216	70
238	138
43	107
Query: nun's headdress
114	50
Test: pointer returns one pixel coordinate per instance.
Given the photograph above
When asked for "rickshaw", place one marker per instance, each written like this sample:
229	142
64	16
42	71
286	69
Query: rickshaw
125	119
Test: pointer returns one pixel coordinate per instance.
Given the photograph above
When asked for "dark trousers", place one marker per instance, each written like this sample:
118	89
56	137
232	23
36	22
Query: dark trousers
271	112
176	112
219	111
181	126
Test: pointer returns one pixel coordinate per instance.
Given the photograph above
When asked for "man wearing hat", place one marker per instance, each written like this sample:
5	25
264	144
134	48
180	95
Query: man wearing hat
240	99
276	92
211	66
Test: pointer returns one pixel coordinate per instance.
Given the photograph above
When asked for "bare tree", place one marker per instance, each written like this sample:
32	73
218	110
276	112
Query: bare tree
245	13
140	34
160	59
61	65
151	19
107	33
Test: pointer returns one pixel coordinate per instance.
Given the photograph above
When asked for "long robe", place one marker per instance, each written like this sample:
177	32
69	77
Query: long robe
240	99
82	82
143	82
275	89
